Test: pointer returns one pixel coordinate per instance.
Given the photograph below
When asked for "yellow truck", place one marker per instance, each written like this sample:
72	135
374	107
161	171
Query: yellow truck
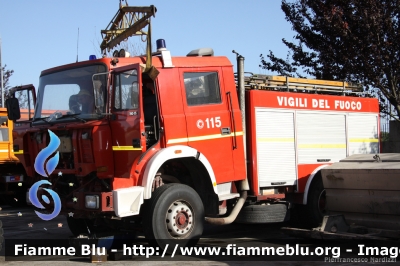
13	185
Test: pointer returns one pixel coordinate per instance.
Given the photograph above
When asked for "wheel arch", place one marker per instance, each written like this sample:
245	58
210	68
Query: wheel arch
169	153
309	182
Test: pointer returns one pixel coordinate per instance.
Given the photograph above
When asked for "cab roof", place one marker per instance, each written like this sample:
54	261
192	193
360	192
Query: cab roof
178	62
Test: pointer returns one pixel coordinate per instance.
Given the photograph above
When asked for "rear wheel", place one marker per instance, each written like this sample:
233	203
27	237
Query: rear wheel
316	203
173	215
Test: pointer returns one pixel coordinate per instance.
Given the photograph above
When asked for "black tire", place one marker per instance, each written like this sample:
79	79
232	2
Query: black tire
261	214
316	202
162	226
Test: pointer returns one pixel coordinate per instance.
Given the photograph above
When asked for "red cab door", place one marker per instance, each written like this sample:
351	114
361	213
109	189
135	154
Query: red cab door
126	120
209	122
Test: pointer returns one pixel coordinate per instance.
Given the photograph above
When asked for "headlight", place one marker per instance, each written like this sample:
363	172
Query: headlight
92	201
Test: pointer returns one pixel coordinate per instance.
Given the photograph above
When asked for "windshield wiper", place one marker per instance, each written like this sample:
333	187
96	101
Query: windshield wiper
42	119
74	116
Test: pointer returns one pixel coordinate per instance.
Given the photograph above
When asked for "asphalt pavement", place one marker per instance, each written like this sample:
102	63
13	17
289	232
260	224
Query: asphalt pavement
23	224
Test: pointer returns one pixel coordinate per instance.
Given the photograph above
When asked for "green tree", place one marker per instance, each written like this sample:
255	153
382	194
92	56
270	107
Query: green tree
352	40
6	78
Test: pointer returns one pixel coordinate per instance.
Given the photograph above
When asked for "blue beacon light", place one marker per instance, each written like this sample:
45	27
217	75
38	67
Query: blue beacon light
161	45
92	57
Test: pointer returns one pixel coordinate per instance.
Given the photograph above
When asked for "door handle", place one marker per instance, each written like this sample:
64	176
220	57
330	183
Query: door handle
225	131
136	143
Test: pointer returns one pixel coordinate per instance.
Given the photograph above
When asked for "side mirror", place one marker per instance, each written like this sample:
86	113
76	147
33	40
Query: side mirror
13	111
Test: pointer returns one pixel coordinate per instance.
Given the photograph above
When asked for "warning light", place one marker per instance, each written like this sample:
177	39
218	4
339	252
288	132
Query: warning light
161	45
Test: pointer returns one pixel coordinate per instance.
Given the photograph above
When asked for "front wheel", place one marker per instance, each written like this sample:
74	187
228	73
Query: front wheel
173	215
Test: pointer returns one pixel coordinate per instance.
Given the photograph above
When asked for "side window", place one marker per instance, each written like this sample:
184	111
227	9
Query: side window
25	99
202	88
126	90
3	128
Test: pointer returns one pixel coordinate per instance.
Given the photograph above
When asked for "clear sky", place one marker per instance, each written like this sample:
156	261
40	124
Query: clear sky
41	34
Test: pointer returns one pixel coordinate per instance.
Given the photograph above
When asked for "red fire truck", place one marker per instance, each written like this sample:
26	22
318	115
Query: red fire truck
165	143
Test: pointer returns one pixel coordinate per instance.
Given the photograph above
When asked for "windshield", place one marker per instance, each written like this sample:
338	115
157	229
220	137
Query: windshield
78	92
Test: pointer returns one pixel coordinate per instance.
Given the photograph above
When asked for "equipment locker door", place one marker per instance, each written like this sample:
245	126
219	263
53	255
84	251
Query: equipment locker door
208	119
321	137
125	122
363	133
276	157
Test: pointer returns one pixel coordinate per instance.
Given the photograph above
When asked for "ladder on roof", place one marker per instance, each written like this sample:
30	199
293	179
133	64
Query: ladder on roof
129	21
284	83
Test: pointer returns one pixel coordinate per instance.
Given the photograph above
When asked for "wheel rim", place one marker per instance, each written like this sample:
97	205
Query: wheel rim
322	202
179	219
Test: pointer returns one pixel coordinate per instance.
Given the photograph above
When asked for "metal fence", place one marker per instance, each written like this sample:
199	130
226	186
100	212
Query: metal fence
385	126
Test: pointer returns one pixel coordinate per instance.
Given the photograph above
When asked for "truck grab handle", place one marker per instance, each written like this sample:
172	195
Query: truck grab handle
233	119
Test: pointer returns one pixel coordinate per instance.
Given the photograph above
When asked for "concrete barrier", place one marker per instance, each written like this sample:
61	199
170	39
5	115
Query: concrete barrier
365	188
